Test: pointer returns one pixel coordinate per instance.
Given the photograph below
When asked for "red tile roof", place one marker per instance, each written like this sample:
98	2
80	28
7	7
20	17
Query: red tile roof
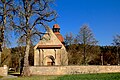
56	26
59	36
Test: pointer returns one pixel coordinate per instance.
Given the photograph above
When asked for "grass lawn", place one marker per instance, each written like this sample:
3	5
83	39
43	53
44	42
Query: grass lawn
109	76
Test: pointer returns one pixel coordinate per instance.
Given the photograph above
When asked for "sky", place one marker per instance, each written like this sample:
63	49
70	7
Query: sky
102	16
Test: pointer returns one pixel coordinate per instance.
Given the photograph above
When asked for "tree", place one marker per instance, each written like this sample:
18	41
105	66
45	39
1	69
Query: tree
116	42
108	55
6	57
69	39
17	54
6	13
32	14
86	38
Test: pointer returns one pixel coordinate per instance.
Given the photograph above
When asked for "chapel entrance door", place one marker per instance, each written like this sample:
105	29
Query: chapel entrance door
50	60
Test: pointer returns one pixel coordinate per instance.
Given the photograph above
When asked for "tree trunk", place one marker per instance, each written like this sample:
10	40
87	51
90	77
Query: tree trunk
2	30
26	70
102	60
0	58
84	54
118	55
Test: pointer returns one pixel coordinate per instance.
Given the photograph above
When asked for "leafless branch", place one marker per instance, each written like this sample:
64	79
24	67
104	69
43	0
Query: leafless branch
44	7
21	28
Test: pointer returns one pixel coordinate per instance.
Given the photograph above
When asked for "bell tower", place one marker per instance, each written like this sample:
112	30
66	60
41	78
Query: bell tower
56	30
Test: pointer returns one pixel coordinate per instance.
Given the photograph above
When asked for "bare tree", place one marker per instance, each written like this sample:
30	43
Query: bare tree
86	38
6	12
116	42
69	39
32	15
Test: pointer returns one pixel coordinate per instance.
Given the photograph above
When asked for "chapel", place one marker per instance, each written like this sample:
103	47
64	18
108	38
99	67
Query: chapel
50	50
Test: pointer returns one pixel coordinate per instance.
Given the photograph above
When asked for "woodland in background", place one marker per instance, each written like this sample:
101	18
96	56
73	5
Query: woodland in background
97	55
12	56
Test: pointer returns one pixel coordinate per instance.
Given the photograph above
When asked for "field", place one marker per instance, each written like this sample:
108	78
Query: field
109	76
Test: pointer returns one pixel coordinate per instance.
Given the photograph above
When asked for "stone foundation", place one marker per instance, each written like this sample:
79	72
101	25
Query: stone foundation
4	71
66	70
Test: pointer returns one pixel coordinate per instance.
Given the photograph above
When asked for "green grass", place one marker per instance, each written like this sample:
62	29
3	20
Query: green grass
109	76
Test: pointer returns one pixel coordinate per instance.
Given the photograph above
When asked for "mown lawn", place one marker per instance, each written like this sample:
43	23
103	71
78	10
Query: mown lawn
109	76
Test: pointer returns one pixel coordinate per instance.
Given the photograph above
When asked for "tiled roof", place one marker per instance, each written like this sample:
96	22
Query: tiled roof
59	36
56	26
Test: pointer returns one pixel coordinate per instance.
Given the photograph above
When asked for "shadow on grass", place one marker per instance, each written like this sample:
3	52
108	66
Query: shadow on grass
14	73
